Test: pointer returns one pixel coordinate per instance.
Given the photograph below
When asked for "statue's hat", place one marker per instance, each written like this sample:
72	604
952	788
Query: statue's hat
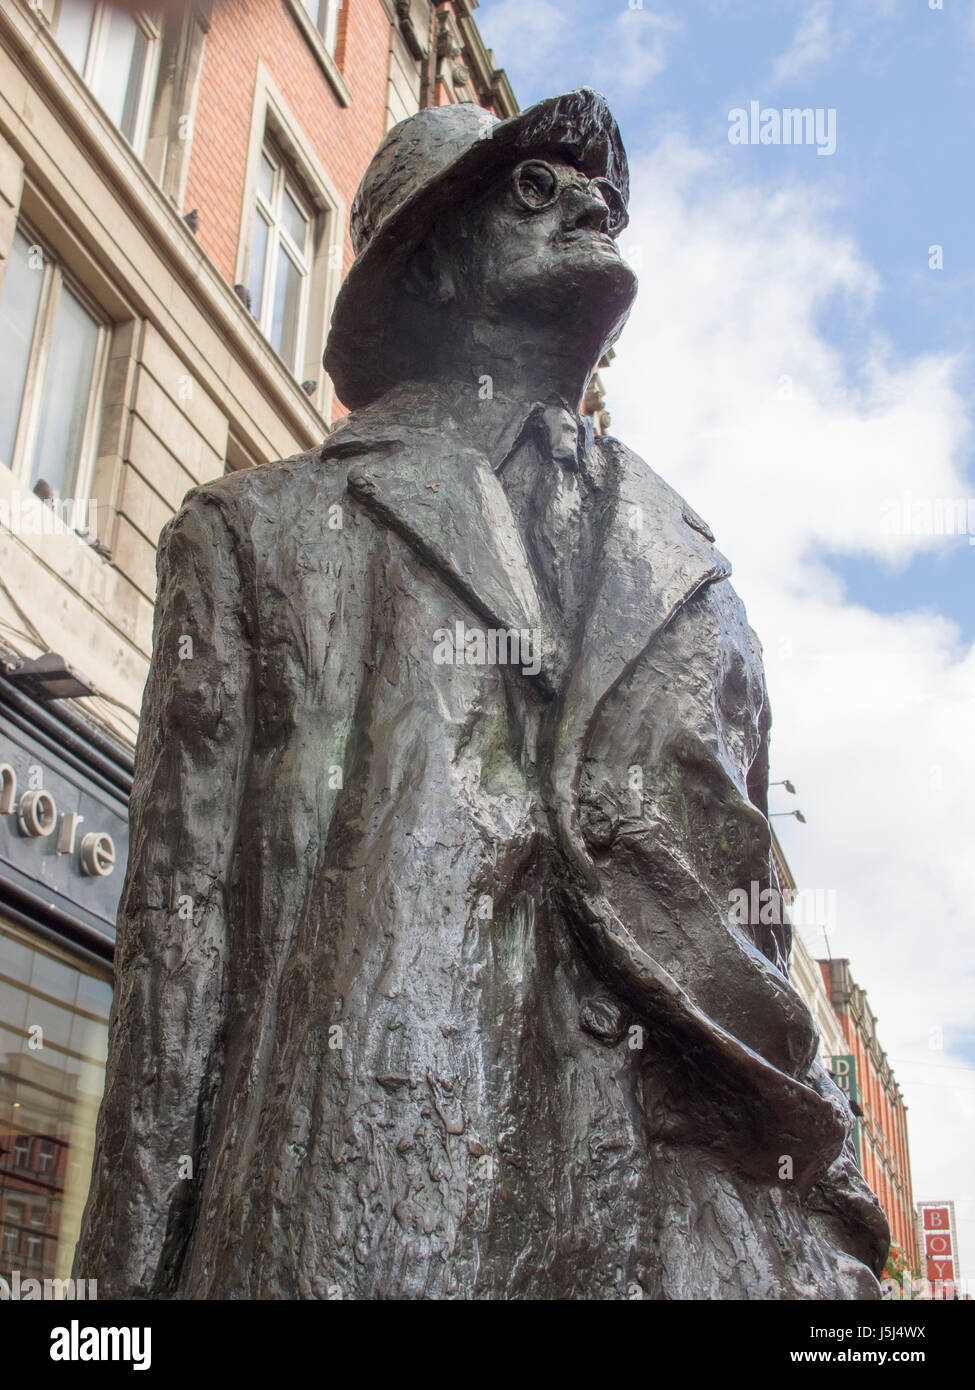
425	166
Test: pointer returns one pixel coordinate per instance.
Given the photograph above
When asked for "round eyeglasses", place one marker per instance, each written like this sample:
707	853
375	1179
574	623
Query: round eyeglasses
537	186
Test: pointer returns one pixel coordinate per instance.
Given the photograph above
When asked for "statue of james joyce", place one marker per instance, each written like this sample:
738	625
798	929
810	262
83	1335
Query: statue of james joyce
428	981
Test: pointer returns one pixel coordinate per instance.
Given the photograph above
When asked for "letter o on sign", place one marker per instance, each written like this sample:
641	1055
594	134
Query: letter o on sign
37	813
97	854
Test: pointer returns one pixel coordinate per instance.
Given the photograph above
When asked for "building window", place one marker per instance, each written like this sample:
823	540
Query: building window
280	259
292	238
324	14
54	1093
53	351
115	52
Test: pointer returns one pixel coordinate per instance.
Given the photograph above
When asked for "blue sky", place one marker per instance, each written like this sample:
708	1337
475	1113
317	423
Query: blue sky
761	265
901	78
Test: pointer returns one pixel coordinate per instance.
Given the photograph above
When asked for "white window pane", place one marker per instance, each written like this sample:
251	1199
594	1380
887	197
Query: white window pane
120	59
295	221
18	314
255	282
329	22
67	386
287	303
265	178
133	94
74	31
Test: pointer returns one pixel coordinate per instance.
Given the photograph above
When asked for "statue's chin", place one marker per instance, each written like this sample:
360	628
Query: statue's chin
587	293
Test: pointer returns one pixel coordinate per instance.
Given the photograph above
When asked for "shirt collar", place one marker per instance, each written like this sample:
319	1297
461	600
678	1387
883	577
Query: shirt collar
489	421
497	423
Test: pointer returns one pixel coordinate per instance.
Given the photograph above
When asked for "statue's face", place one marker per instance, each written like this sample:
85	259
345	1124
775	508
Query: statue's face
541	243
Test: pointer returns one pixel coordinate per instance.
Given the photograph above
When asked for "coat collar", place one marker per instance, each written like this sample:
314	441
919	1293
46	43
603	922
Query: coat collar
425	460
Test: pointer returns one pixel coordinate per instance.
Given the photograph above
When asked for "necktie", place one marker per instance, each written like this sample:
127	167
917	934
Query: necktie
548	480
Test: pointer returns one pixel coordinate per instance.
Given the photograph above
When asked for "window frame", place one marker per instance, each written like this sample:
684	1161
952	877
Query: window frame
56	278
95	57
329	31
272	118
325	57
283	183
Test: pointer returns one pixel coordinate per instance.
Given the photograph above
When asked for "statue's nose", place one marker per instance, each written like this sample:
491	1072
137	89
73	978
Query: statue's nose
586	208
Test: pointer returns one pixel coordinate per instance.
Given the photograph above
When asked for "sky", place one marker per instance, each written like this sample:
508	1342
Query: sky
800	365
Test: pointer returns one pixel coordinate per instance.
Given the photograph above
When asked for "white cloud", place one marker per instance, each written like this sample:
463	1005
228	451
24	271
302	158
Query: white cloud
812	43
514	26
636	49
872	713
625	48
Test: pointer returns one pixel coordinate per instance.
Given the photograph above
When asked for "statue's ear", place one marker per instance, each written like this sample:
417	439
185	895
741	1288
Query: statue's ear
430	275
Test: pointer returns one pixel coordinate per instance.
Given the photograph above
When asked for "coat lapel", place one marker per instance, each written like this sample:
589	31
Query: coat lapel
656	554
431	485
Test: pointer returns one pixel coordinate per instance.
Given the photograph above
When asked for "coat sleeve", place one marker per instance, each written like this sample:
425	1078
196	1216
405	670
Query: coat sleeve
164	1058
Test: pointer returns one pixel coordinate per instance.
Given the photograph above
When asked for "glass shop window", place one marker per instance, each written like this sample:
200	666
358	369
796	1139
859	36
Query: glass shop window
116	54
281	259
49	1098
324	14
53	355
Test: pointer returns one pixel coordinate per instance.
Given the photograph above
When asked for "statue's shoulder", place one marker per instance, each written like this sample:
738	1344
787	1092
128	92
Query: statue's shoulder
412	417
266	489
641	486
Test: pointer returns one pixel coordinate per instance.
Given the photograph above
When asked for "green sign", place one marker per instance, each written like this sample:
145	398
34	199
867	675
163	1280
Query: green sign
844	1071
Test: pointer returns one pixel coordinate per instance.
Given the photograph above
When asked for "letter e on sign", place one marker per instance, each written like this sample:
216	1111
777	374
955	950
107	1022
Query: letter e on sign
97	854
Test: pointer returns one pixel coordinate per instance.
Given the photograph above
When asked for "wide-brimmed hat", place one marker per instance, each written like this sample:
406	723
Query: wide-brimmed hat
425	166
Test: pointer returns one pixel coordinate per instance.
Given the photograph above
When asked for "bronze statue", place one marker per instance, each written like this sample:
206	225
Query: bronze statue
454	750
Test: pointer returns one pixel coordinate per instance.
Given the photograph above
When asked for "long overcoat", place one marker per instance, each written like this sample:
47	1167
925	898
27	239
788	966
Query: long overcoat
428	983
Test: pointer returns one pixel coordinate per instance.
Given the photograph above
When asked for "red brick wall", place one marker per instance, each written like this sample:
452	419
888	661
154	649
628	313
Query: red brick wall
343	138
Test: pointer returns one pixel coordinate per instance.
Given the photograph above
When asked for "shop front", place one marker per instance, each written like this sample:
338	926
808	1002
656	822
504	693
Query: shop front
63	846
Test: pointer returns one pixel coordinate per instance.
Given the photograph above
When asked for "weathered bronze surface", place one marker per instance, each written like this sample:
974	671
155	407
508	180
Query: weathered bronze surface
453	753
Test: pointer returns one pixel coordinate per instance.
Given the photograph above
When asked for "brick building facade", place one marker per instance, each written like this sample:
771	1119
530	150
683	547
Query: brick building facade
882	1127
851	1052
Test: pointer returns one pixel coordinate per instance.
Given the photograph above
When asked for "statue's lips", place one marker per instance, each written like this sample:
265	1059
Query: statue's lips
590	237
